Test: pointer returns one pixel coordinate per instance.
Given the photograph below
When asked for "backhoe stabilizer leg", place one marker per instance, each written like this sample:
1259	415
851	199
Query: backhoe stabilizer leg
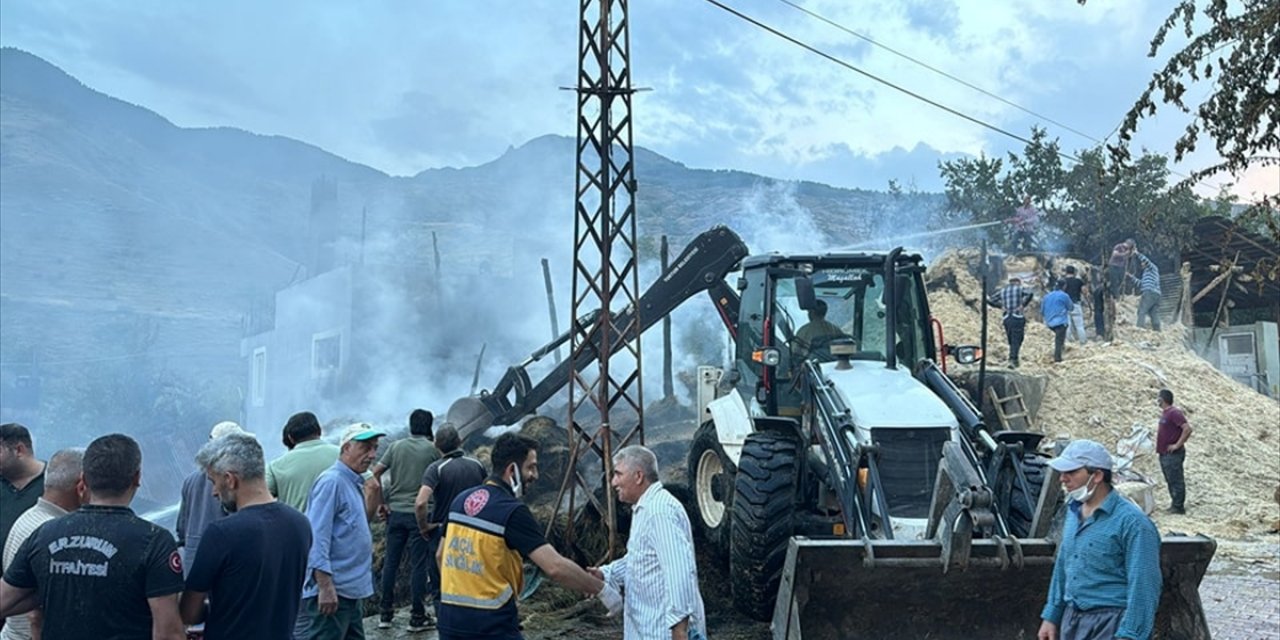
961	503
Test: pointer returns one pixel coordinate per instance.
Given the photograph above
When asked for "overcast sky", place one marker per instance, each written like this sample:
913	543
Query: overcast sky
405	86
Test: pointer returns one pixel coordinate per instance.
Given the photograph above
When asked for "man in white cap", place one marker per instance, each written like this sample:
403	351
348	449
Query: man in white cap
340	565
199	507
1106	579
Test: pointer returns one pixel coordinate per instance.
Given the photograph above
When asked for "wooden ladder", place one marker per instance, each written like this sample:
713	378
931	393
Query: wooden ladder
1020	408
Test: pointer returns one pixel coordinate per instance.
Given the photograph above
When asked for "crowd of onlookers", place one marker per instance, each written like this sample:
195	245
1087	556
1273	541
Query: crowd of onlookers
284	549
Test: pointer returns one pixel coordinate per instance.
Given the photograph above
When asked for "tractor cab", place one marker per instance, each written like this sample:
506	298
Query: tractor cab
826	308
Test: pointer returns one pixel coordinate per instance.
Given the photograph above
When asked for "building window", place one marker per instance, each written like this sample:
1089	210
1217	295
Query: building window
259	376
1240	344
326	353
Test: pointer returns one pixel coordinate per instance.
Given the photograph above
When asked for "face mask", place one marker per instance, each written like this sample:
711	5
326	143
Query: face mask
517	486
1082	493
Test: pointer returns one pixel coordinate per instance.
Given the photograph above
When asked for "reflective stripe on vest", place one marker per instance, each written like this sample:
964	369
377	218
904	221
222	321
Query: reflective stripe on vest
478	570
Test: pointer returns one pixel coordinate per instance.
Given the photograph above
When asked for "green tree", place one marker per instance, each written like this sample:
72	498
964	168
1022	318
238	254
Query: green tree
989	189
1233	47
1237	51
1087	207
1105	202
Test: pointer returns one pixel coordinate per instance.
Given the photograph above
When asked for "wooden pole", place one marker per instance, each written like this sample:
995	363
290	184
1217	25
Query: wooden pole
475	378
435	249
982	364
551	305
1209	287
1188	318
364	226
668	381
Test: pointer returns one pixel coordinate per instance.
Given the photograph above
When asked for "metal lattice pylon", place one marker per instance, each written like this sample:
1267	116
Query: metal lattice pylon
604	262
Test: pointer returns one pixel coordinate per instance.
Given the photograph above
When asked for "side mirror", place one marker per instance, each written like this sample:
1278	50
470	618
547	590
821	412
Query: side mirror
804	293
965	354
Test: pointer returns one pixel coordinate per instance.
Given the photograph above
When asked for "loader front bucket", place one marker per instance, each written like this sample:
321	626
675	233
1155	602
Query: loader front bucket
830	590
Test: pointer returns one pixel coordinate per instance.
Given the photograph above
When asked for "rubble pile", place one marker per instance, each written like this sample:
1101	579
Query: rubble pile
1100	391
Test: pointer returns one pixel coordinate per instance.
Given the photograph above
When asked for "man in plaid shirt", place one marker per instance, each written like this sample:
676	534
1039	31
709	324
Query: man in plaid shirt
1013	298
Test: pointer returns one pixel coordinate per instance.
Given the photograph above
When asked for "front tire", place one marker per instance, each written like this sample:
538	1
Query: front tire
763	509
711	483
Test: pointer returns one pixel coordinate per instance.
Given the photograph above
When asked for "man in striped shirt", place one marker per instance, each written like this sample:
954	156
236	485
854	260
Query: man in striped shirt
63	494
658	575
1149	285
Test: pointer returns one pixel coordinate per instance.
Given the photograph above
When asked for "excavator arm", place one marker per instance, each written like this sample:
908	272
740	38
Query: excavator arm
702	266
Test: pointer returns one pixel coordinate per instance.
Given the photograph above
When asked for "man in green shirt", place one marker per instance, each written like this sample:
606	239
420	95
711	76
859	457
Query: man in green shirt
289	477
404	462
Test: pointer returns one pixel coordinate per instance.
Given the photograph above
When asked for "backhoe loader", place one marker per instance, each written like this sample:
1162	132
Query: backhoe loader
851	486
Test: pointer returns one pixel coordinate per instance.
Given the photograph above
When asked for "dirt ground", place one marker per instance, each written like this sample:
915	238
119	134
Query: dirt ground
1240	593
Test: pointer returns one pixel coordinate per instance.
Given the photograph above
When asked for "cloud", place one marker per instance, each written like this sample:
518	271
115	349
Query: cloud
404	87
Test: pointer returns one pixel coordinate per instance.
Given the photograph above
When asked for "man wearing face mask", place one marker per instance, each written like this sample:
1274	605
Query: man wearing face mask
488	533
250	563
1106	578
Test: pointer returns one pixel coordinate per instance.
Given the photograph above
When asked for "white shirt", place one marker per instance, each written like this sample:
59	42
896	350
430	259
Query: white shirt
659	576
18	627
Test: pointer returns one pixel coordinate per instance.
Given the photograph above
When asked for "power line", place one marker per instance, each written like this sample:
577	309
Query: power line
887	83
812	49
938	71
989	94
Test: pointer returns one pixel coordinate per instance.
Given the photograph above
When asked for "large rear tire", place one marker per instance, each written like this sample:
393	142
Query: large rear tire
711	484
763	520
1022	505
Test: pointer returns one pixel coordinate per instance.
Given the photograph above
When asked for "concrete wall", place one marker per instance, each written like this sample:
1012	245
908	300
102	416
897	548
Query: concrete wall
1267	348
306	315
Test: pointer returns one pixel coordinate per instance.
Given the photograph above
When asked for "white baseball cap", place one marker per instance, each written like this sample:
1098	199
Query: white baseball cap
1082	453
223	428
360	432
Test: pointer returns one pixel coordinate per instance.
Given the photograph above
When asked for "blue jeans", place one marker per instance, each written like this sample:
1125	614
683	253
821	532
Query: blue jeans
302	624
433	568
402	531
347	623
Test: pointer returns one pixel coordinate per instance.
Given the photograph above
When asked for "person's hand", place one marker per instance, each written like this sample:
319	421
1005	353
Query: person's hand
1048	631
611	599
1174	447
595	571
384	512
328	600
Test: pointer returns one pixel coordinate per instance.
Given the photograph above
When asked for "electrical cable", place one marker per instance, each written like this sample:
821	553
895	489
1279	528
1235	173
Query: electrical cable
816	51
938	71
832	58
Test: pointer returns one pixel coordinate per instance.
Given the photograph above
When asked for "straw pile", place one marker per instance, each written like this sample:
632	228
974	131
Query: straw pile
1100	391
